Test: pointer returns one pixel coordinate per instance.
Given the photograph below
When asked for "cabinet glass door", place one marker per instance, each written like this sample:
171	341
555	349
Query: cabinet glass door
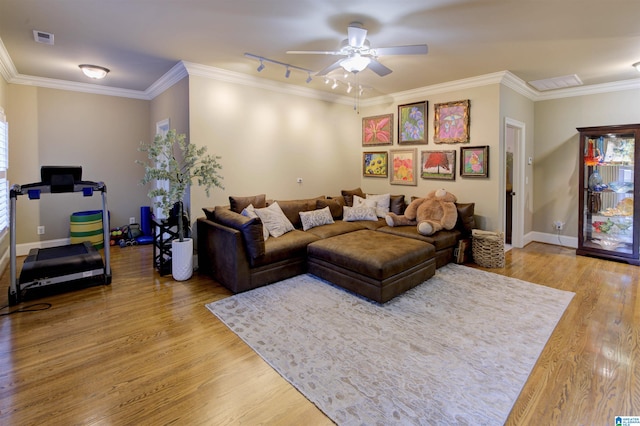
609	193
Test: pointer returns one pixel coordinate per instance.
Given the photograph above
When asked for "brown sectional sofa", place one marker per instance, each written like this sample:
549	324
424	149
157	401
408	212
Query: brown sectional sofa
232	249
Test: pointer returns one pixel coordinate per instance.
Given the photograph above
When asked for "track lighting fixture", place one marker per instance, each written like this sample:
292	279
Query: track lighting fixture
334	85
288	67
636	66
326	80
349	88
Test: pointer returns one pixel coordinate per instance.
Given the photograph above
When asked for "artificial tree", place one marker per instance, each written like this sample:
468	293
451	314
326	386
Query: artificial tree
173	159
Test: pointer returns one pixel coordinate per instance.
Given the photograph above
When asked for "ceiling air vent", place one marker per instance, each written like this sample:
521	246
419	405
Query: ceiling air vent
556	82
43	37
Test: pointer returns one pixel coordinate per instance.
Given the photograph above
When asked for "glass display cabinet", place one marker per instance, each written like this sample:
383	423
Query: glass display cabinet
608	205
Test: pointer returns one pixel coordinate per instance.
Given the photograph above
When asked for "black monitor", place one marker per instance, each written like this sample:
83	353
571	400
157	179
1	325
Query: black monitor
61	178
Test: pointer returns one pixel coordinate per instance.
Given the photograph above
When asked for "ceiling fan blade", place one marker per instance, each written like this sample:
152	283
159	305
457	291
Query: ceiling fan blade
417	49
378	68
330	68
356	36
313	52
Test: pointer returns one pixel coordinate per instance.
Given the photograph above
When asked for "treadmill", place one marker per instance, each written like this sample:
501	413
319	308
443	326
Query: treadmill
75	263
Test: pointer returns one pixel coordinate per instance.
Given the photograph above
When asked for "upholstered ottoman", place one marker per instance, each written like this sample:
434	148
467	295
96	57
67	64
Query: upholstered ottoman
375	265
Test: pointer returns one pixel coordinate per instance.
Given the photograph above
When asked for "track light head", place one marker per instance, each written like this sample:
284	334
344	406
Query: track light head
309	78
287	73
334	85
261	66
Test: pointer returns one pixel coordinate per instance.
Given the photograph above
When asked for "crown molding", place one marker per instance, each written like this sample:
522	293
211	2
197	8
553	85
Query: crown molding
183	69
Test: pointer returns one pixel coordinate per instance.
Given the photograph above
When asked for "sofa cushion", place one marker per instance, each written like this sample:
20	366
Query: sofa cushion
336	228
466	219
335	206
314	218
275	220
240	203
361	212
349	193
292	208
291	245
442	239
250	228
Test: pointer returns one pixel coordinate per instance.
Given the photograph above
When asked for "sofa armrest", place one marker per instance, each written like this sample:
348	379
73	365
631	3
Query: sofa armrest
222	254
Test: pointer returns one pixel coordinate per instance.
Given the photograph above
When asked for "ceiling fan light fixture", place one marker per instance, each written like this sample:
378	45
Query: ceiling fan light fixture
355	63
94	71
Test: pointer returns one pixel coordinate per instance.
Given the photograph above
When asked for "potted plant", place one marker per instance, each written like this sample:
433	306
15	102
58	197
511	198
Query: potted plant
173	159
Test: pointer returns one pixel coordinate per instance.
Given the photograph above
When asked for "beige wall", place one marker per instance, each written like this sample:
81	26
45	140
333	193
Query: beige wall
520	108
485	129
268	139
557	150
56	127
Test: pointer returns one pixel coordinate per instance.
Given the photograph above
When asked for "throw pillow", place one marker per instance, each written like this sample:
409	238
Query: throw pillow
250	211
239	203
382	203
396	204
274	219
314	218
359	201
335	206
361	212
349	193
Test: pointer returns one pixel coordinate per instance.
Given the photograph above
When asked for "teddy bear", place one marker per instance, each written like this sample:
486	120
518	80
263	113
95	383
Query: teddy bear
430	214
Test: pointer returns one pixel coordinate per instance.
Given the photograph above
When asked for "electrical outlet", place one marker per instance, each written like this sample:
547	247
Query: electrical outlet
40	230
132	220
558	225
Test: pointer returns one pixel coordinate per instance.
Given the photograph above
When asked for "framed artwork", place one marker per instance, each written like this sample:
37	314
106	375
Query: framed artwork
451	122
375	164
377	130
438	165
474	161
411	120
403	167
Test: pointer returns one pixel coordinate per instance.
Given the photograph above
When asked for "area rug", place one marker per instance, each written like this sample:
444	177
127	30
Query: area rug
456	349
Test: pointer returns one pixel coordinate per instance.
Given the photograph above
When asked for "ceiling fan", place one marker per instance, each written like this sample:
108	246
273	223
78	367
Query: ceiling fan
359	53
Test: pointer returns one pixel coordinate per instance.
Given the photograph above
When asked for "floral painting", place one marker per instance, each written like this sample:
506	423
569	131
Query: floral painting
411	120
451	122
438	165
474	161
375	164
377	130
403	166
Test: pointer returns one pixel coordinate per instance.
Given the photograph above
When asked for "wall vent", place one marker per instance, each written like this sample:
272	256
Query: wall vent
43	37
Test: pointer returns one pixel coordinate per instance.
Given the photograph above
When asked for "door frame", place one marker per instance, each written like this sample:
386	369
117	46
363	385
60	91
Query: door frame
517	231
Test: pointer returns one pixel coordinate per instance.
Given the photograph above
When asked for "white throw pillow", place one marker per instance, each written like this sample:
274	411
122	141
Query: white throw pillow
250	211
359	201
314	218
361	212
275	220
382	203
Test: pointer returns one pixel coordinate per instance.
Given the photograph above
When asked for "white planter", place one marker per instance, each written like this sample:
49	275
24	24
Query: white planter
182	259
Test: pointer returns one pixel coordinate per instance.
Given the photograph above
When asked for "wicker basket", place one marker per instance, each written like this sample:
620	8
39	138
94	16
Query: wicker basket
488	248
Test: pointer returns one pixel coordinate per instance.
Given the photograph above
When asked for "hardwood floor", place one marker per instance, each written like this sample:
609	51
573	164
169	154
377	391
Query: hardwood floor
145	350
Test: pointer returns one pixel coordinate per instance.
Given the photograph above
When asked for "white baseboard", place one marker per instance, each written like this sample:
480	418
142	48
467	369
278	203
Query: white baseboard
23	249
555	239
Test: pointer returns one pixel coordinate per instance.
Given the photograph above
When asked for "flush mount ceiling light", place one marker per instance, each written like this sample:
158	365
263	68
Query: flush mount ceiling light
636	66
94	71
